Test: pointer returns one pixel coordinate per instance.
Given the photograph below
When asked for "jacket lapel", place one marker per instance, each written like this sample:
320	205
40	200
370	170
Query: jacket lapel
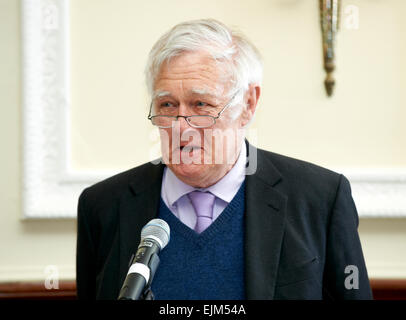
137	208
264	228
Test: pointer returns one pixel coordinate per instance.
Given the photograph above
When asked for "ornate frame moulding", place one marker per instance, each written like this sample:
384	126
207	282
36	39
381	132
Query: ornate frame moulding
51	188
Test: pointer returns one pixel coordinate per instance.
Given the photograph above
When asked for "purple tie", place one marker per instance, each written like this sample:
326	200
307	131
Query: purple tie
203	204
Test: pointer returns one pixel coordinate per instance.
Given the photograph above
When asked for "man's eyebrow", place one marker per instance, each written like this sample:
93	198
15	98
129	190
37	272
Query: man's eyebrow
198	91
204	92
160	94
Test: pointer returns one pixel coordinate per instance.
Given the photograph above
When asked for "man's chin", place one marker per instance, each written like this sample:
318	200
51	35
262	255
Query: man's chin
186	170
189	172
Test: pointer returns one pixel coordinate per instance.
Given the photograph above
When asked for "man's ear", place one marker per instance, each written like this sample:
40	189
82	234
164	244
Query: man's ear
251	100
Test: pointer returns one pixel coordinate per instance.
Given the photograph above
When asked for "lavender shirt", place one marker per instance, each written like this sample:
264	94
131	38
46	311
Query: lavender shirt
174	191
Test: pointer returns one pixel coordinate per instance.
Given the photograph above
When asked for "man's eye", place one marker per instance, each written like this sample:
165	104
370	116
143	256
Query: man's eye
166	104
201	104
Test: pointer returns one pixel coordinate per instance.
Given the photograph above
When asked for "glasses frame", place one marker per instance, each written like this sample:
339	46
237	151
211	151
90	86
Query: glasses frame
187	118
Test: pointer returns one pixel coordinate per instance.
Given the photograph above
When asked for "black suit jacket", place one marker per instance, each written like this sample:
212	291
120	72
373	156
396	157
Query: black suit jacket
300	231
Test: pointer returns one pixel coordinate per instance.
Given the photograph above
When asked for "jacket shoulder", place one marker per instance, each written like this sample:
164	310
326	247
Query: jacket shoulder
296	169
117	185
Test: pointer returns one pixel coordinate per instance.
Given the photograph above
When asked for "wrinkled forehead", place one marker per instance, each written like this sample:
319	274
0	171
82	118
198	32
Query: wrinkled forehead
198	91
196	72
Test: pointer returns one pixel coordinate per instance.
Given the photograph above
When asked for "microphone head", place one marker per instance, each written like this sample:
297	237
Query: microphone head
158	230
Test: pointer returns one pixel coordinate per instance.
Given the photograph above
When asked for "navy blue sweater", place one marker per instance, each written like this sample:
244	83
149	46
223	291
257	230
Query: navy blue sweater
206	266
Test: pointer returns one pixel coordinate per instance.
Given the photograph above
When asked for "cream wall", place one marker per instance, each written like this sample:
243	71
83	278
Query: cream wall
26	247
111	40
109	43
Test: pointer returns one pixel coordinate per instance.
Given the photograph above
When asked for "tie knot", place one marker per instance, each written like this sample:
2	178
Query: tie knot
202	203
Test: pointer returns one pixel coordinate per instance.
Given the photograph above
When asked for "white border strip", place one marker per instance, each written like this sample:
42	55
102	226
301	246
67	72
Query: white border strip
378	192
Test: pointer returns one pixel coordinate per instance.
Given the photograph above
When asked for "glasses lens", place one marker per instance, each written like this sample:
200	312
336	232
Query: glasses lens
163	121
201	121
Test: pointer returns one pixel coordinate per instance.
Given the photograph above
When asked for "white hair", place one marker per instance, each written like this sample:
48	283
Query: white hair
228	47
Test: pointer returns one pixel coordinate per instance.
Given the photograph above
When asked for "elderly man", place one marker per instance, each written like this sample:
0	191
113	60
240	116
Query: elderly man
245	223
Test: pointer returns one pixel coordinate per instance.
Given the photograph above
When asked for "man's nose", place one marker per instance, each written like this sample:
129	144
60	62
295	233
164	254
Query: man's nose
183	125
183	111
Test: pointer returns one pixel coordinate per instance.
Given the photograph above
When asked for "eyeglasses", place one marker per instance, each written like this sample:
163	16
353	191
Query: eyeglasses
195	121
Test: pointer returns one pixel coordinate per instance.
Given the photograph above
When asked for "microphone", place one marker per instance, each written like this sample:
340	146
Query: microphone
155	236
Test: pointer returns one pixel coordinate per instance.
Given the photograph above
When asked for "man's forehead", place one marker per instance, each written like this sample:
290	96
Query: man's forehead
194	67
217	92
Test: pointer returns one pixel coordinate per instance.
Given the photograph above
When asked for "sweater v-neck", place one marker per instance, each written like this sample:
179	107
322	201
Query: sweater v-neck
216	226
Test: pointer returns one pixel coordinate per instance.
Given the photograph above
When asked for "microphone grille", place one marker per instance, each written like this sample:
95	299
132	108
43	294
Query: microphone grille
157	229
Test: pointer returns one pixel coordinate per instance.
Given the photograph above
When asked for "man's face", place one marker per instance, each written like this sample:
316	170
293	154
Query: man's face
194	84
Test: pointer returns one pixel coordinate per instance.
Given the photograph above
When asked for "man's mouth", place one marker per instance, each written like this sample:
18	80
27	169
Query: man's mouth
188	148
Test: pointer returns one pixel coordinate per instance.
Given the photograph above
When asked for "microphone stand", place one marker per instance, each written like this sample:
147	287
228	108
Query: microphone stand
147	294
153	264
